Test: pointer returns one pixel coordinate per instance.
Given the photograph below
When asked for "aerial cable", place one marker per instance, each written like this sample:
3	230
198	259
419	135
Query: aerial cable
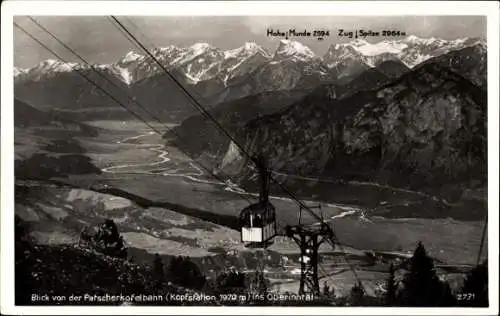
84	76
114	99
200	108
92	67
135	43
139	30
196	104
119	103
132	99
483	235
124	34
208	115
203	111
88	79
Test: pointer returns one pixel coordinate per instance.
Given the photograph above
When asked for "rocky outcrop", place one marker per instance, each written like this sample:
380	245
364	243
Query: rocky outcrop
198	134
426	128
469	62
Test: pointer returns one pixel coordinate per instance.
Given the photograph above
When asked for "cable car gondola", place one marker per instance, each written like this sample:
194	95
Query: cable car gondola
258	220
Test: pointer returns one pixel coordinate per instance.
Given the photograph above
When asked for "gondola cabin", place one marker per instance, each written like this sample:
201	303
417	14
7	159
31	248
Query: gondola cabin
258	221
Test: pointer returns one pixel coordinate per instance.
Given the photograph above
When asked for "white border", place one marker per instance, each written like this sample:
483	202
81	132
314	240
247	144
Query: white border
246	8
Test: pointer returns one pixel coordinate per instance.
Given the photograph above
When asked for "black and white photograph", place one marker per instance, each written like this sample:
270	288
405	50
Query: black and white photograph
247	160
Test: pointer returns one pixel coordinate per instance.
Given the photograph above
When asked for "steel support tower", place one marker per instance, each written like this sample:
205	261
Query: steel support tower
309	238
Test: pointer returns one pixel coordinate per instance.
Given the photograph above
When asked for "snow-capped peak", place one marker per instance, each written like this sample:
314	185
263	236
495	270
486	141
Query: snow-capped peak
130	57
163	50
359	43
288	48
369	49
460	40
201	61
199	48
19	71
411	50
395	46
251	46
184	55
47	68
248	49
411	39
48	63
52	65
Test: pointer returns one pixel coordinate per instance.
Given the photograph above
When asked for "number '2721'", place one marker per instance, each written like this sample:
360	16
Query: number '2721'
465	296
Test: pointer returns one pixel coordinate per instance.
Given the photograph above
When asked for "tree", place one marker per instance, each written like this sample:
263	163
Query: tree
421	285
24	281
474	292
21	230
184	272
390	295
447	297
356	295
108	240
261	286
261	283
326	289
231	282
158	271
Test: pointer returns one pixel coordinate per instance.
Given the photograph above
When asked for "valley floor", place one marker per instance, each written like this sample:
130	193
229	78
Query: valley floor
164	203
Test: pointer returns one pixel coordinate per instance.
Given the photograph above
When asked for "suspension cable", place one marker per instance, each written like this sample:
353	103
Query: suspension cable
139	30
483	235
124	34
196	104
85	76
200	108
115	99
92	67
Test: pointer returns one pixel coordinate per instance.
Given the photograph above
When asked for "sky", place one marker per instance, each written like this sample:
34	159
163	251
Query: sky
99	41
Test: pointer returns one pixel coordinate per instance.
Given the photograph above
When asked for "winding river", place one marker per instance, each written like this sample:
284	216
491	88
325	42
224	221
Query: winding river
165	166
197	176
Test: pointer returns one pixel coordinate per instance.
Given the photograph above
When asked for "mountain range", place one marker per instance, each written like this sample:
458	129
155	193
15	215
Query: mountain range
420	127
201	61
233	114
214	75
424	129
413	109
361	125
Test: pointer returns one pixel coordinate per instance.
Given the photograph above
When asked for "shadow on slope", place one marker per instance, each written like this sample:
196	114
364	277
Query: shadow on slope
46	146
